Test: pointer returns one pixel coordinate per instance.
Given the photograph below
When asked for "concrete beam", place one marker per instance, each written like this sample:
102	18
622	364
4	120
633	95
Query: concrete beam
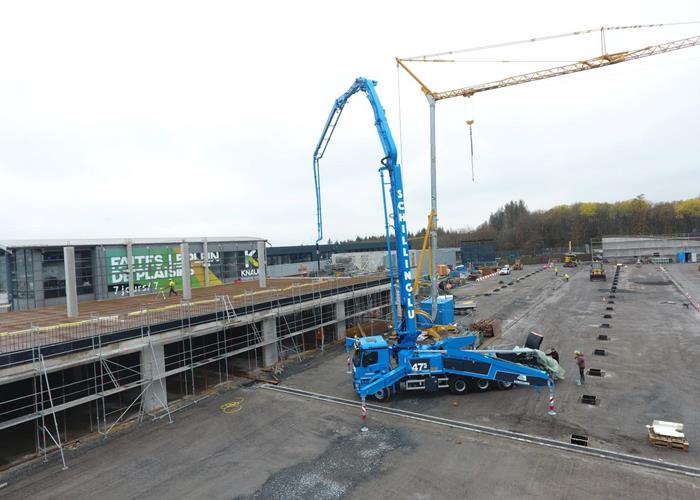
71	286
186	272
270	353
152	368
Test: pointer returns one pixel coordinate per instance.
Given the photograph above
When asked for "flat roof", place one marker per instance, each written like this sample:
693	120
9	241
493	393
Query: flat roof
59	242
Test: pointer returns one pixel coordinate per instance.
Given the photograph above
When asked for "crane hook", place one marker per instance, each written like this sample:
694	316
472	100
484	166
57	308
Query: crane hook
471	145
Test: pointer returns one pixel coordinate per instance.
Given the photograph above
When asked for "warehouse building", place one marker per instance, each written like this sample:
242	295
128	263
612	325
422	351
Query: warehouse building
685	248
32	271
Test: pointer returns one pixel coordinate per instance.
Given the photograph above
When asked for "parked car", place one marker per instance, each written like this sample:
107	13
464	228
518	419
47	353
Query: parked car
504	270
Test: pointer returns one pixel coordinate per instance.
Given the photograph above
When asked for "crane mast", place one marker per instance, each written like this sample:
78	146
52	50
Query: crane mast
405	328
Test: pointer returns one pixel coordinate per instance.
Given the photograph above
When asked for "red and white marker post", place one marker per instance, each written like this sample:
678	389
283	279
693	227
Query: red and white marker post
550	386
364	416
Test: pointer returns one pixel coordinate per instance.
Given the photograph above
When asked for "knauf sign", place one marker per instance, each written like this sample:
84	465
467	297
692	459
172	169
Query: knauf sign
251	264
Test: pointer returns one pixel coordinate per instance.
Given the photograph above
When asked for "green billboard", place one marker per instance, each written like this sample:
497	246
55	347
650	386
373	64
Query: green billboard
154	267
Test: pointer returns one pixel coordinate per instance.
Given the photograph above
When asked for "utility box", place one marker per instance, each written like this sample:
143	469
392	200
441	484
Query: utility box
445	309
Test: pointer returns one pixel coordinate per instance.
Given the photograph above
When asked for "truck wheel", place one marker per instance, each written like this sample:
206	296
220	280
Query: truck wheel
458	385
504	386
383	395
481	385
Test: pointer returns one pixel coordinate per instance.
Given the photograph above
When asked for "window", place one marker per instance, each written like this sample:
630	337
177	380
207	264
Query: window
3	273
54	277
22	279
53	274
229	265
83	271
369	358
365	358
357	358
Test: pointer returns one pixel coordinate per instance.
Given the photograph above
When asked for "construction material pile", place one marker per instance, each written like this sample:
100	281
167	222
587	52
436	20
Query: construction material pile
488	327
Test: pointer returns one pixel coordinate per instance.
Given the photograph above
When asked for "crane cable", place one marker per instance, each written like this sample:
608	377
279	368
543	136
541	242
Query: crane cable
429	57
471	145
470	121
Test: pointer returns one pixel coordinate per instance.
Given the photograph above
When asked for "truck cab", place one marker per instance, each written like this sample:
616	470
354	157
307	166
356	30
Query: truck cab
372	356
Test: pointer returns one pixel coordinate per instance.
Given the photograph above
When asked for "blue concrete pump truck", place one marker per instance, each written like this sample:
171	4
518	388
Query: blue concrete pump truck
380	369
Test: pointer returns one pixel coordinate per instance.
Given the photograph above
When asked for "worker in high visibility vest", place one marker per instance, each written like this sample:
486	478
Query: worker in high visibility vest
171	284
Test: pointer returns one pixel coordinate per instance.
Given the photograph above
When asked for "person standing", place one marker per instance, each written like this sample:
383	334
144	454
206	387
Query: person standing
566	276
556	271
581	363
171	284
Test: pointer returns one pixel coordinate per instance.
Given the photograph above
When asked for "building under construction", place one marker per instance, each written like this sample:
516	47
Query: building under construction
65	373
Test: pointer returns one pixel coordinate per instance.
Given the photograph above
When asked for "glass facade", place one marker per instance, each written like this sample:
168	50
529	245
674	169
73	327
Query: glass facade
35	276
22	278
53	272
4	285
3	274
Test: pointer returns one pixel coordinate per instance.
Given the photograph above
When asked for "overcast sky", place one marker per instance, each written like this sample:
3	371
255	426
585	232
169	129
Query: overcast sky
138	119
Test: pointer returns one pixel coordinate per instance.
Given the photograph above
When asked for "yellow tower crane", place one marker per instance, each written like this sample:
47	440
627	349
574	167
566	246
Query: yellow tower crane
433	96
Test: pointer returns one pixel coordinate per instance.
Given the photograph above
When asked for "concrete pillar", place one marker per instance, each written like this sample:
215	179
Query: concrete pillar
37	276
340	317
186	272
71	287
99	274
269	331
152	368
130	267
205	262
262	264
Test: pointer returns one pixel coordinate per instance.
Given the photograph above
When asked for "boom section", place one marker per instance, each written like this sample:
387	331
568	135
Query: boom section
407	331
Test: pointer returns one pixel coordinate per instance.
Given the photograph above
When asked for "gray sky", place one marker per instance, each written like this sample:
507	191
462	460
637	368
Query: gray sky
200	118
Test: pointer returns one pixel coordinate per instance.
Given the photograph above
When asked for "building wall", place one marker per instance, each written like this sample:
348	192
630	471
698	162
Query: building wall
640	247
293	269
35	276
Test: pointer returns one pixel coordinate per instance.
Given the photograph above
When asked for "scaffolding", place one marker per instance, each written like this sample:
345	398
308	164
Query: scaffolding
100	381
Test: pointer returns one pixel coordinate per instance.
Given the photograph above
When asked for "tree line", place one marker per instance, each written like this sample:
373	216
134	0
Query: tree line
514	227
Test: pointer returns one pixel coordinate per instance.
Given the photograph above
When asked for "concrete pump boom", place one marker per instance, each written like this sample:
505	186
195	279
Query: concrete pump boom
406	328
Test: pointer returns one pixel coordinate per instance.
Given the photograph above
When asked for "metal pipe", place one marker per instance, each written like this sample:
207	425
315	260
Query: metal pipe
433	207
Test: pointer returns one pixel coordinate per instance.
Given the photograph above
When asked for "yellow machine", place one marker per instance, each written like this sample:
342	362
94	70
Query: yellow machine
517	266
597	272
570	258
419	269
